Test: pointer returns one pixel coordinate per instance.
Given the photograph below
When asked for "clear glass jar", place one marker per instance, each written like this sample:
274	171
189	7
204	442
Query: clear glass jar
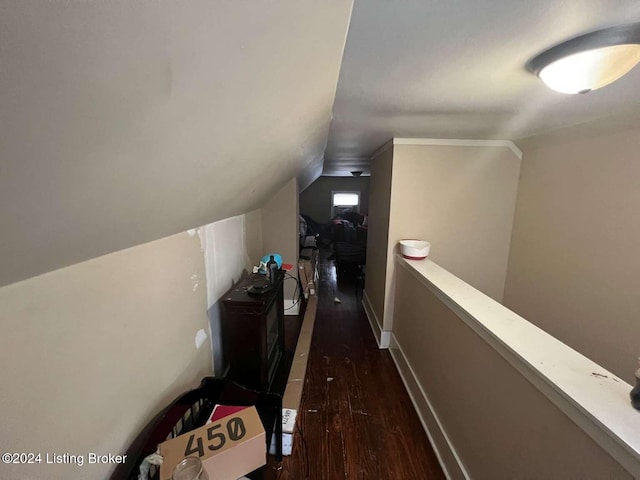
190	468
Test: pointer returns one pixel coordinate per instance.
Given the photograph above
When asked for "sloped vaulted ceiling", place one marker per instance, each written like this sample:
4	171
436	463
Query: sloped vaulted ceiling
122	122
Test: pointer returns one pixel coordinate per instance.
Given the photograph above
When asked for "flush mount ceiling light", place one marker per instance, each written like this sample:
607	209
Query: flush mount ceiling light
589	61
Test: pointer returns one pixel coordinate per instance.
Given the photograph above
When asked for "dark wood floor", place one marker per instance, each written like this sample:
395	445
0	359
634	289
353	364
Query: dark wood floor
356	420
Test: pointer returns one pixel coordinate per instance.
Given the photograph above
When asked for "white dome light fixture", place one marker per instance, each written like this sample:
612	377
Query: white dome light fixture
590	61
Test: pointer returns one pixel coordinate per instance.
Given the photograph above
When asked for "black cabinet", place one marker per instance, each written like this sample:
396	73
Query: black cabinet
253	331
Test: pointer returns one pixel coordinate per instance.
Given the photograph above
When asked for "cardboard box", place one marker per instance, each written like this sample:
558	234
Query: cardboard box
293	394
295	384
229	447
298	367
307	270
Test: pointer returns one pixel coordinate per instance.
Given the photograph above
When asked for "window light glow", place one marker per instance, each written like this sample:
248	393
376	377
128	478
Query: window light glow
591	69
346	199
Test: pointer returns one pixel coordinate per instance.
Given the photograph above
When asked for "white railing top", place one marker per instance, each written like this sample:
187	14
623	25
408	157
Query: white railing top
594	398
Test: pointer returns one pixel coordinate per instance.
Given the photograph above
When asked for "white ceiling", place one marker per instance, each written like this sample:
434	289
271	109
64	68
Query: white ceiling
124	121
456	69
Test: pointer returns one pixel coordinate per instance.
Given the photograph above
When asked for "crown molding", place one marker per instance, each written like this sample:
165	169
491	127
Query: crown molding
453	142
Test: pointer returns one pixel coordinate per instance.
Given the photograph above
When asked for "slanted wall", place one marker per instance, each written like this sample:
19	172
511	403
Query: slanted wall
90	353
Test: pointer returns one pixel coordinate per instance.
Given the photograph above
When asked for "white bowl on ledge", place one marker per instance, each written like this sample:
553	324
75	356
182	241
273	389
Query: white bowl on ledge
414	249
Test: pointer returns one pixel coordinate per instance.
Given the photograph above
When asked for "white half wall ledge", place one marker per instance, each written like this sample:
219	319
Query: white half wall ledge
596	400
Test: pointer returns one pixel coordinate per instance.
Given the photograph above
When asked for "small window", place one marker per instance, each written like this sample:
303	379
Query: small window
344	201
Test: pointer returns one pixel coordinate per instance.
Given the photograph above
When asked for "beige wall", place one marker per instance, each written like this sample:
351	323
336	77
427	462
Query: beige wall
461	200
315	201
228	246
498	423
253	229
280	231
91	352
378	233
574	263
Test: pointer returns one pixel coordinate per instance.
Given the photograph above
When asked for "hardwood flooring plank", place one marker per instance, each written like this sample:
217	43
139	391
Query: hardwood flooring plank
356	420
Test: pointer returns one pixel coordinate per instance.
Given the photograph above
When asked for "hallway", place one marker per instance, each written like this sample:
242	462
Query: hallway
356	420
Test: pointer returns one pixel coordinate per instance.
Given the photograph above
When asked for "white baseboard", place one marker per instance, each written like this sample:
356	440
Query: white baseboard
447	456
290	308
383	337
